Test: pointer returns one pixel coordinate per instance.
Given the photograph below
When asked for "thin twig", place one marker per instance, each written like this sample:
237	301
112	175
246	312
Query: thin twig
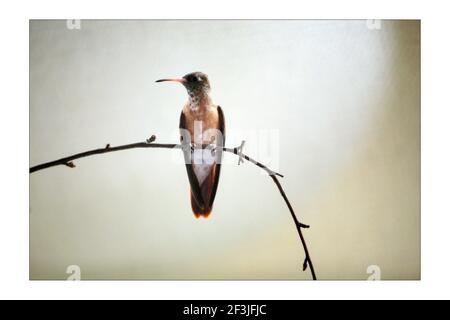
68	161
299	225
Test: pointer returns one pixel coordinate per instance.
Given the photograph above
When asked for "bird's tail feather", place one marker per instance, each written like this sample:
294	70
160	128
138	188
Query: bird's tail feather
200	210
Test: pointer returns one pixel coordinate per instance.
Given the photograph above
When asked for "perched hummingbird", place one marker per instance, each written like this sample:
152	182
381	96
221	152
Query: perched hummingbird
202	130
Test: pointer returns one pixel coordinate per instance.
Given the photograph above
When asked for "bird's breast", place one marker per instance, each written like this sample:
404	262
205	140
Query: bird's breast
202	124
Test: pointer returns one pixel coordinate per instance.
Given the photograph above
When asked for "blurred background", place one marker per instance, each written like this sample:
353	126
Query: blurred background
332	105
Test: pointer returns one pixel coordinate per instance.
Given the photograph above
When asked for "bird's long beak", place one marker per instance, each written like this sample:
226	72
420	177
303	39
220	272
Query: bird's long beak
180	80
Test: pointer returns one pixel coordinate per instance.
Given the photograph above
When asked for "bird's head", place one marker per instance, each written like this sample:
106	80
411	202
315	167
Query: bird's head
196	83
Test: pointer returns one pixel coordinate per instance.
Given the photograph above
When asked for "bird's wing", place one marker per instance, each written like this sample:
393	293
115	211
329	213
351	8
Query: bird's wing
219	151
186	147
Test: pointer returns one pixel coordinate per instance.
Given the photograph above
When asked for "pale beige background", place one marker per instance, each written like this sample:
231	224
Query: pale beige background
344	99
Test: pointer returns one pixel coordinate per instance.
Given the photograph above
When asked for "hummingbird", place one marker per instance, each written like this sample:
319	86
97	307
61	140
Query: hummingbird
202	136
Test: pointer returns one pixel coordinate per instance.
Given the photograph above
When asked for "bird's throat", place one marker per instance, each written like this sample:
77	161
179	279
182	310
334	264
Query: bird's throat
199	101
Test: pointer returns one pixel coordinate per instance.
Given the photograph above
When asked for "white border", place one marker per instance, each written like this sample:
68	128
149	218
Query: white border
14	131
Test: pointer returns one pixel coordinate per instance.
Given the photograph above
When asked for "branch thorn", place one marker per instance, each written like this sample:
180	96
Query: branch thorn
151	139
70	164
305	264
301	225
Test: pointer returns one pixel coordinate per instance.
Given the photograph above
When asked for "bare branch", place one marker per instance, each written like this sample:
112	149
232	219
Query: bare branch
68	161
299	226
